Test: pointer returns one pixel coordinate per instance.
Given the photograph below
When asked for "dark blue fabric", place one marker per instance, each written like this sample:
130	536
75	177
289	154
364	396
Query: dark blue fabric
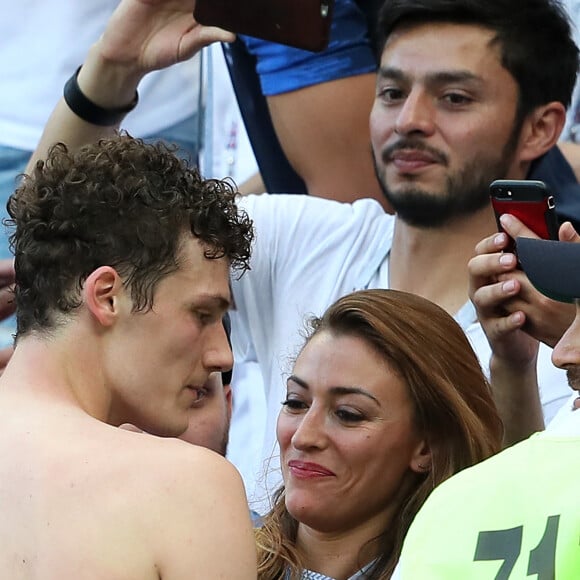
277	173
283	69
553	169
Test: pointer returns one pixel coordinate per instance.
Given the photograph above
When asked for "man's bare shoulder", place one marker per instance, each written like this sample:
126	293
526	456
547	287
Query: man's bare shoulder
194	504
170	461
164	472
94	501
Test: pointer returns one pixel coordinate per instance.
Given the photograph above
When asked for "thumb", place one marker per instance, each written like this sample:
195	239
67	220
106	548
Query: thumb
567	233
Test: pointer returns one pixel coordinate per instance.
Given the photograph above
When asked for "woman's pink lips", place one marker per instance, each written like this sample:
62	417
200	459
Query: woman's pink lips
306	470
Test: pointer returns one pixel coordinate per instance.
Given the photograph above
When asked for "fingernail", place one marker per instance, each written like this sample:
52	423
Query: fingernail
506	259
517	317
505	219
567	231
499	240
508	286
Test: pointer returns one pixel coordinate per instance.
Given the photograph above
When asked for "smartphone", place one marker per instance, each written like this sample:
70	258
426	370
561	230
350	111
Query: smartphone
302	24
528	200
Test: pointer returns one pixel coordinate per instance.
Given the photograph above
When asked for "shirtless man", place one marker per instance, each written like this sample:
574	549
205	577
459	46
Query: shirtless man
122	267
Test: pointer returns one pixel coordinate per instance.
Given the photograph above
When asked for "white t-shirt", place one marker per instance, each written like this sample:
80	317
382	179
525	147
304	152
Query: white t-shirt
43	43
309	252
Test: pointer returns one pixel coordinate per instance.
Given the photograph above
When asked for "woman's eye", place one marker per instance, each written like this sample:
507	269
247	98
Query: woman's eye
349	416
294	404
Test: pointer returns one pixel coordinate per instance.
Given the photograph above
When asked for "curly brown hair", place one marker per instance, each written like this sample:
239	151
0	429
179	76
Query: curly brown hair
122	203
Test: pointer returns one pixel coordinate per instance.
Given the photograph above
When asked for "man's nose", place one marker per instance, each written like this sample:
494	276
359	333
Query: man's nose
218	355
416	114
566	353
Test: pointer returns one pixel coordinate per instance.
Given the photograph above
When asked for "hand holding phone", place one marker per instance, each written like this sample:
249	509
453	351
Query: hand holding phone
302	24
529	201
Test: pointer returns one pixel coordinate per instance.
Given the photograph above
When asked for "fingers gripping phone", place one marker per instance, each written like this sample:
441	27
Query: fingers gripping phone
530	201
302	24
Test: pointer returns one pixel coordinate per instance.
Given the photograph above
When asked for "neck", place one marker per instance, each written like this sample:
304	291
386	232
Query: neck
59	370
337	555
433	262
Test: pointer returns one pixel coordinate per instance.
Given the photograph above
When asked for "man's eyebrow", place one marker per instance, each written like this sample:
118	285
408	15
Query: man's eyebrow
213	300
437	77
338	390
388	72
453	76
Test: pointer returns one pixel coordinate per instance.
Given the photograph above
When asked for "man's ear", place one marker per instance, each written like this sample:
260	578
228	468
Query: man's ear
103	290
541	130
421	459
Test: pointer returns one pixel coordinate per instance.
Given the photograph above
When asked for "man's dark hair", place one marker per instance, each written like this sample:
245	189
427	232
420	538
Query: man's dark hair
119	203
534	37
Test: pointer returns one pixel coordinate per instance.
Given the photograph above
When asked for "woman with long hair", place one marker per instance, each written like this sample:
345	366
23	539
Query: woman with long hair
386	400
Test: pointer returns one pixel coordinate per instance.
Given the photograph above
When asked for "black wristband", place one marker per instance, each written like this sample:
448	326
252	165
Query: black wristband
84	108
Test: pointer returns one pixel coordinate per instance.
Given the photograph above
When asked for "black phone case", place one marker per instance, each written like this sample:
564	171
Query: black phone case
302	24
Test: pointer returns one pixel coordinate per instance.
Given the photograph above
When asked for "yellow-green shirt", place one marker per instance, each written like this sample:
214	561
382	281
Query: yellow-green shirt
516	515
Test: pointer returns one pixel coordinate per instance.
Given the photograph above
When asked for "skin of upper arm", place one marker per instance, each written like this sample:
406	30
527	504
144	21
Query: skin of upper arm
65	127
204	527
327	126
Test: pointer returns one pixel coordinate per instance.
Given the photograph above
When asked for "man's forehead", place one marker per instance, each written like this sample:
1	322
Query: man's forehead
443	54
208	275
202	285
451	36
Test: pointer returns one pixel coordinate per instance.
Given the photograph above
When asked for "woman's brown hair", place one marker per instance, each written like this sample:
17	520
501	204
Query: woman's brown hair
452	402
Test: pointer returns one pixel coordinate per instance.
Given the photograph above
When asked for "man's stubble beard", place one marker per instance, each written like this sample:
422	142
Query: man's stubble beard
466	191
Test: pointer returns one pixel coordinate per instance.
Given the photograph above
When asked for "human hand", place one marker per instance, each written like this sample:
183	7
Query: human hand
546	319
7	302
5	355
7	274
512	312
154	34
493	283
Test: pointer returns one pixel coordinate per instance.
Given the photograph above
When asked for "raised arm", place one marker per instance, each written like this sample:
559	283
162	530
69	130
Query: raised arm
141	36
